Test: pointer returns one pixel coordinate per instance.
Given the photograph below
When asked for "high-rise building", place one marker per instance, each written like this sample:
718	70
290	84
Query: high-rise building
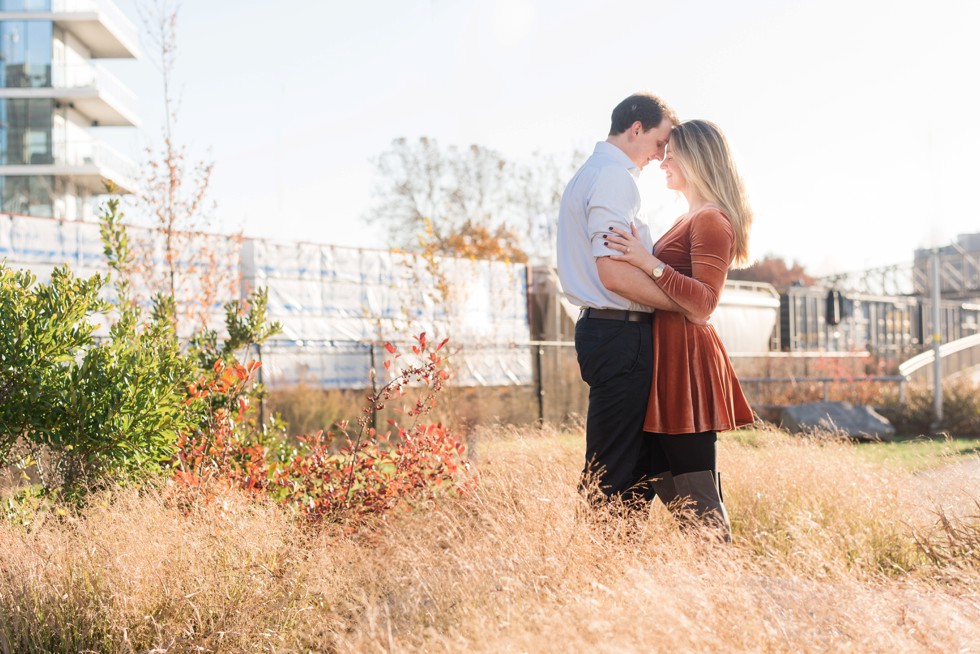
52	93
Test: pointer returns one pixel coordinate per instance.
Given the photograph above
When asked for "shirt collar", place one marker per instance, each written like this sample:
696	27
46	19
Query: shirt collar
608	149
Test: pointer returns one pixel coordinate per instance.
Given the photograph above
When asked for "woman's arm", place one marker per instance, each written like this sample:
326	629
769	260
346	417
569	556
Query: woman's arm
712	245
712	248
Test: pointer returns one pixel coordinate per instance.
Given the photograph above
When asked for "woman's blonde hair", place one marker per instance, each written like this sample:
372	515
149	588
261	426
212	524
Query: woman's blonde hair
705	160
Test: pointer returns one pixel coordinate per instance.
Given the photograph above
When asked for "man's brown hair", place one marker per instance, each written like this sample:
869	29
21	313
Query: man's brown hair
644	107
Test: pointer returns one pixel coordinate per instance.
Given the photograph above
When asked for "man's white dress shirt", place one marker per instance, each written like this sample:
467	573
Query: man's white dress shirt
602	194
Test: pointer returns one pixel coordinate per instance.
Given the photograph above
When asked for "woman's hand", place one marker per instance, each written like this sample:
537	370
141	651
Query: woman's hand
631	249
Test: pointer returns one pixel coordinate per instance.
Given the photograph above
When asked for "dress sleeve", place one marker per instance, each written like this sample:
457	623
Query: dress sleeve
712	250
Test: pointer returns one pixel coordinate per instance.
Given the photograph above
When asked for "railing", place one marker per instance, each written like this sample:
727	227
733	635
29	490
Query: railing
560	392
111	15
70	76
758	287
799	355
86	153
964	353
826	381
65	76
100	154
107	11
26	5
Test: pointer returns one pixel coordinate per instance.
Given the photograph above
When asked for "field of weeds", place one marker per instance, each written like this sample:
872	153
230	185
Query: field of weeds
833	551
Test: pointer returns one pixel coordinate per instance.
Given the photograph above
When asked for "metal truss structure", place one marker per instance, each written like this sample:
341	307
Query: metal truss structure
959	273
895	279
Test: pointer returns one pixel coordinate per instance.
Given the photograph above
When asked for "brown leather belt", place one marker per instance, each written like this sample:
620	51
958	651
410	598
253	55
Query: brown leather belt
616	314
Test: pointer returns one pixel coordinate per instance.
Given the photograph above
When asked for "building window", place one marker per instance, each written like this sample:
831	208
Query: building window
25	5
30	195
25	132
25	53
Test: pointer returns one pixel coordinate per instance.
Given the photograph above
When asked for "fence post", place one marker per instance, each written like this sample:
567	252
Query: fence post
937	339
540	384
258	353
374	388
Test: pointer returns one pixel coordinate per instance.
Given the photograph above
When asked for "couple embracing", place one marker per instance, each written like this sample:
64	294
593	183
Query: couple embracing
660	382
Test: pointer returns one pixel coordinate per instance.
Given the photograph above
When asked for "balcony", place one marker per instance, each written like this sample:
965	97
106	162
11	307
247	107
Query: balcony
99	24
90	164
90	89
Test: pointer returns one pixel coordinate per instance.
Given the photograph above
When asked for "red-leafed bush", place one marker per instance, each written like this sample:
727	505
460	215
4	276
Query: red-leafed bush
221	453
347	477
356	485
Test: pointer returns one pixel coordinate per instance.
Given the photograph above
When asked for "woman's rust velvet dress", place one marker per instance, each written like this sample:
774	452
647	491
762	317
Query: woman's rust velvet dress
694	386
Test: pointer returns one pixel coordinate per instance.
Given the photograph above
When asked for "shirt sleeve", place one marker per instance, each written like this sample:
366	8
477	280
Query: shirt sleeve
712	251
613	202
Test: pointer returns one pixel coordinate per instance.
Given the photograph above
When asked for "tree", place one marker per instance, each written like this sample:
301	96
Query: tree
174	198
773	270
468	201
539	185
447	186
481	242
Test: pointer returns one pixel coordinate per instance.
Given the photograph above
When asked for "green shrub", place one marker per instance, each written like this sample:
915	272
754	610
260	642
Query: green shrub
43	328
90	413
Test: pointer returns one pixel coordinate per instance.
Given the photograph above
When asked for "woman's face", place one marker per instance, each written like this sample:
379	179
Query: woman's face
675	178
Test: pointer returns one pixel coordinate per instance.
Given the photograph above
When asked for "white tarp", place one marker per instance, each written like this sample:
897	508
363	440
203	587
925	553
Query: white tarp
337	305
345	303
42	244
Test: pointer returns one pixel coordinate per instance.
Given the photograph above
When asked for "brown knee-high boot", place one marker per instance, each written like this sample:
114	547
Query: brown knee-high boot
663	486
704	491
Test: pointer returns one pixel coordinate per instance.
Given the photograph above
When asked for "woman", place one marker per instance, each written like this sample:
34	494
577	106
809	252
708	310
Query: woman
695	393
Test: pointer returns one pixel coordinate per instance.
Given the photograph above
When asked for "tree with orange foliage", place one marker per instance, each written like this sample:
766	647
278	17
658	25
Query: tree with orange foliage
773	270
482	242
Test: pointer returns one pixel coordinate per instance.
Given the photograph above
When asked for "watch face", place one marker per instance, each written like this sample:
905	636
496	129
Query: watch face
658	271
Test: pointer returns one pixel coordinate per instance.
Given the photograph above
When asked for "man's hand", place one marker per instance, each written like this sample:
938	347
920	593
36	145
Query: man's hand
633	284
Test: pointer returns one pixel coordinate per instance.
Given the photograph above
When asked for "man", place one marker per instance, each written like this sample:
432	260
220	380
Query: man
613	335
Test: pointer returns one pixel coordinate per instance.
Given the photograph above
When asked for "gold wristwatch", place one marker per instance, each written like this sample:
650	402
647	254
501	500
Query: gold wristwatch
657	272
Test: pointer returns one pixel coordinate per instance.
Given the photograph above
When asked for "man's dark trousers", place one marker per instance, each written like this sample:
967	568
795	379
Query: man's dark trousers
615	358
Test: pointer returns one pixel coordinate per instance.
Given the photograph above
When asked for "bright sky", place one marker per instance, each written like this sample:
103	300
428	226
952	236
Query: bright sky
854	122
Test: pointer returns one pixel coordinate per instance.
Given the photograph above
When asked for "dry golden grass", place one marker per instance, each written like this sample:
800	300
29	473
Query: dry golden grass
824	559
307	409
